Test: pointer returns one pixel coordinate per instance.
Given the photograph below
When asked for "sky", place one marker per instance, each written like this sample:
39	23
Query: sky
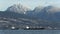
4	4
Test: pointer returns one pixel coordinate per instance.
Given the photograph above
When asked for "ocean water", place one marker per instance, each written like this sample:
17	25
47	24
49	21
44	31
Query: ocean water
29	31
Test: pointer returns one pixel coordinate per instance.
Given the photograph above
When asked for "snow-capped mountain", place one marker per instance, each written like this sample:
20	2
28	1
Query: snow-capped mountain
18	8
46	13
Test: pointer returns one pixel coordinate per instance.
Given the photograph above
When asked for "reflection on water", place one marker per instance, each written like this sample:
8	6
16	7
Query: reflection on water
29	31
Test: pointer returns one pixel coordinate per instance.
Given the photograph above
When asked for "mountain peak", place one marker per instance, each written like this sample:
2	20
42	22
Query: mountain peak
18	8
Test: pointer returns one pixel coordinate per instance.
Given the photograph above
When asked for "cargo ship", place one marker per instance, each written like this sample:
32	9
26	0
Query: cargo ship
29	28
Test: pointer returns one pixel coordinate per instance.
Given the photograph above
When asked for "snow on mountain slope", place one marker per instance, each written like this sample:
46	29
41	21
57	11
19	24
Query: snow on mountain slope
18	8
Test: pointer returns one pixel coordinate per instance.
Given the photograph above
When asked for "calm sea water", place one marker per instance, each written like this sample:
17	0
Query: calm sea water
29	31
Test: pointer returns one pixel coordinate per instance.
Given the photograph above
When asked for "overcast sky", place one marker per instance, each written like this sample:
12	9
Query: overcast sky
4	4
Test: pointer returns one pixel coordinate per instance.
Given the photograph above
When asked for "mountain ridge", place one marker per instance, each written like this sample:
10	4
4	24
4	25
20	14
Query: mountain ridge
32	18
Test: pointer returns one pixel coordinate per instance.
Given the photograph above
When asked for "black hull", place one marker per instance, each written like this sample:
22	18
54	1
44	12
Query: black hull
34	29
